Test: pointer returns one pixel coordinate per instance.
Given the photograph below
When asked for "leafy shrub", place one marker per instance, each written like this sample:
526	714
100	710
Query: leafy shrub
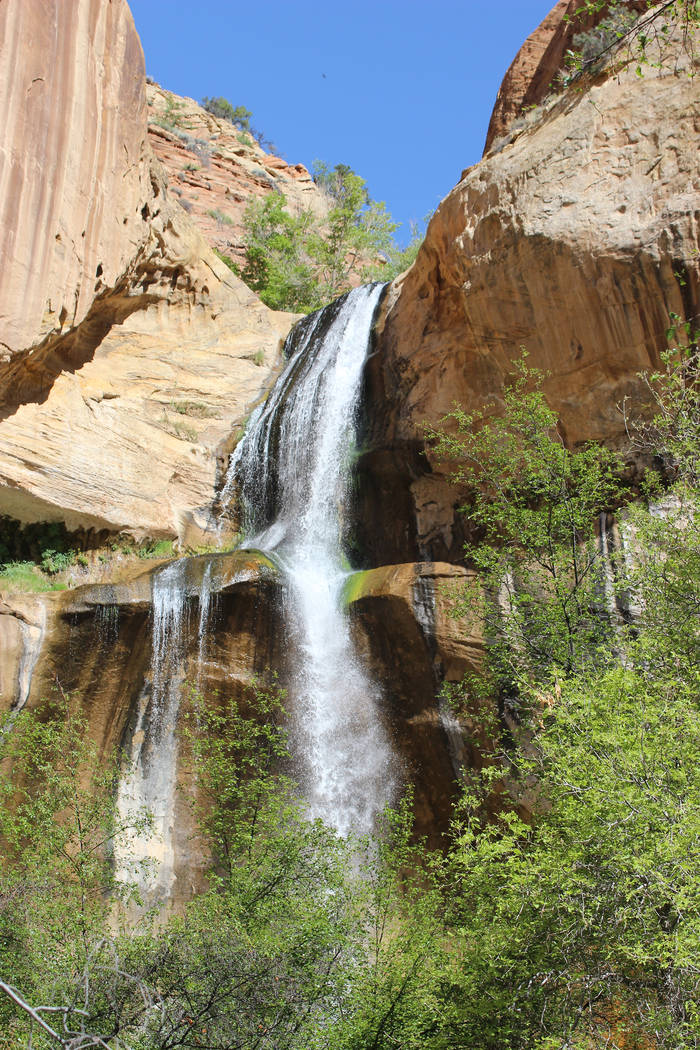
56	561
157	549
300	262
220	107
589	45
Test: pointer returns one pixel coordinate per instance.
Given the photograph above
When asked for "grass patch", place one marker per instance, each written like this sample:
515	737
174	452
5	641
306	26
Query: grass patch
157	549
196	409
220	216
177	429
25	576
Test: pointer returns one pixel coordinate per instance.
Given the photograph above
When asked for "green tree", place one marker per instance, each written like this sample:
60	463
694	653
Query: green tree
532	505
355	231
277	265
580	923
58	827
224	110
577	899
301	262
301	940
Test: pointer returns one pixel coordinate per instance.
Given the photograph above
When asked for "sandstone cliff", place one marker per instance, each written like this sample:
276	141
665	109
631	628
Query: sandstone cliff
532	74
215	170
128	349
577	241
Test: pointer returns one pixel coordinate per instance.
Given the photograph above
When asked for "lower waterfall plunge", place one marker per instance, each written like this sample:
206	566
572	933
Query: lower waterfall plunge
292	470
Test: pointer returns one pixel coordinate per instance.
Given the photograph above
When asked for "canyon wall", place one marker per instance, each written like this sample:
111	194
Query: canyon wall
216	170
577	240
130	353
533	73
129	350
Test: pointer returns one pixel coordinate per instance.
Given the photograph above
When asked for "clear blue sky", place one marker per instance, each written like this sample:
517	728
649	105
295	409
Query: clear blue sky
408	88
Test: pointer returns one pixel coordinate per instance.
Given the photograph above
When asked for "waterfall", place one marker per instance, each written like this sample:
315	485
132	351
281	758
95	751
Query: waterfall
292	471
149	785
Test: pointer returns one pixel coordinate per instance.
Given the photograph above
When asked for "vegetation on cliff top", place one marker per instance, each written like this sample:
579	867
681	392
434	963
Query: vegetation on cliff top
301	262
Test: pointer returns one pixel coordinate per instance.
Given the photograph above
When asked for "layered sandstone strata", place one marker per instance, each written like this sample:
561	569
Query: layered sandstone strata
215	170
128	349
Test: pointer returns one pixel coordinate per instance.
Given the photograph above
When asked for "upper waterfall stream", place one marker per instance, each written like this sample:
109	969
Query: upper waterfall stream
292	471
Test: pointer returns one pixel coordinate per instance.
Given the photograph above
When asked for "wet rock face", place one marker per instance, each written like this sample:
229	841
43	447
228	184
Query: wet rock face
412	644
97	645
576	241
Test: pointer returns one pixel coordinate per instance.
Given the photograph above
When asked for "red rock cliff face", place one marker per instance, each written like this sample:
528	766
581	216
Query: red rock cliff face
215	170
577	241
128	351
72	173
534	68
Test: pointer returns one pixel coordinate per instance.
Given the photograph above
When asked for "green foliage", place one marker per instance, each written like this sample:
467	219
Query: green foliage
619	25
221	217
197	409
355	231
397	260
240	117
58	826
277	266
577	845
56	561
220	107
156	549
592	43
303	262
532	504
30	554
581	923
26	576
302	940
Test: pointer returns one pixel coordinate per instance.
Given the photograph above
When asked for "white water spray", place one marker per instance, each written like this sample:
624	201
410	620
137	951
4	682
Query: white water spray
292	469
148	857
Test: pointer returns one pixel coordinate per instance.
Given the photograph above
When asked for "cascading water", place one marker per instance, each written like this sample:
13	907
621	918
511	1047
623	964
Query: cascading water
292	470
149	785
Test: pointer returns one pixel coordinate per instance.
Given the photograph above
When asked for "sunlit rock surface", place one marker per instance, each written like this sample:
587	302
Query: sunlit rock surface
215	170
128	350
577	241
532	75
